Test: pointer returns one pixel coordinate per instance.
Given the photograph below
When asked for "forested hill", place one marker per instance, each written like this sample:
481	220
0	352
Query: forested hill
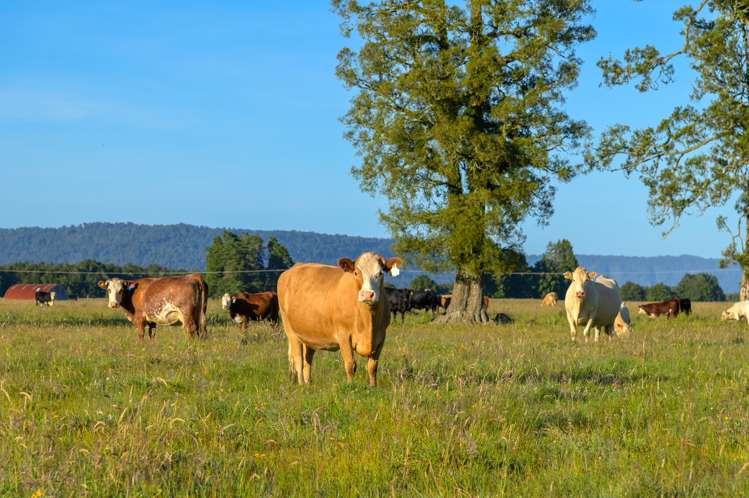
171	246
184	246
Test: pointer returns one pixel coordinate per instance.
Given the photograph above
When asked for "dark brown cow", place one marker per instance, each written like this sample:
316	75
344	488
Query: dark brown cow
244	306
336	307
669	308
161	301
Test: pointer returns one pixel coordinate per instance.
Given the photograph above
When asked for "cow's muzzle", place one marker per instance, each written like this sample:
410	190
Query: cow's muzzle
368	297
114	305
580	294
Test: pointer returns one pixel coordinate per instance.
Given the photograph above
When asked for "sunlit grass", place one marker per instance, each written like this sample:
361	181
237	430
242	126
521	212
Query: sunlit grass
88	409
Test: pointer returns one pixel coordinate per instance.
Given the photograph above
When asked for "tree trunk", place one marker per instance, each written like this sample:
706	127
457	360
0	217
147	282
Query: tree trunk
744	287
466	305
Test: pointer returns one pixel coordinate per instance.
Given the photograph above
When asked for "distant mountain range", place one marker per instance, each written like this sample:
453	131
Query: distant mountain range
184	246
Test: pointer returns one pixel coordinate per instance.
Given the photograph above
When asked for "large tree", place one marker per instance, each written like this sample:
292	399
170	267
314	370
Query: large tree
233	263
458	120
698	156
558	259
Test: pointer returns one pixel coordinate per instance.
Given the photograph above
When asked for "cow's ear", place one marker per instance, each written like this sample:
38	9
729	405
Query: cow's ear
131	285
102	284
346	264
233	300
393	266
568	275
592	275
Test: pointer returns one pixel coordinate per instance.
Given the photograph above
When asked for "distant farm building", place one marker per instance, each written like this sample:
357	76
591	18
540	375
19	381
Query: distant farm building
26	291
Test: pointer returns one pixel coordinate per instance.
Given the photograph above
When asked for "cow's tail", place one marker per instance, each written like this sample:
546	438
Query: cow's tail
203	307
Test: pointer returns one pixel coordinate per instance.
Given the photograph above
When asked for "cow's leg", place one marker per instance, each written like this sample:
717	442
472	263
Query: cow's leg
309	354
372	365
140	325
573	327
596	330
348	360
190	327
151	333
296	363
587	329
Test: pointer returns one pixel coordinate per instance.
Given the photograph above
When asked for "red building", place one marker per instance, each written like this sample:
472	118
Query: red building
26	291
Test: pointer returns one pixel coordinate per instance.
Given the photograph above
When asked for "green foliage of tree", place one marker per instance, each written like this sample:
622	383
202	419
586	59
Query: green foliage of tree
458	120
633	292
423	282
558	258
278	259
233	263
698	156
700	287
659	292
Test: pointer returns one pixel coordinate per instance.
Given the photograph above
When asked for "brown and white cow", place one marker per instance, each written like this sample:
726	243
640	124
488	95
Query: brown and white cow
161	301
336	307
245	306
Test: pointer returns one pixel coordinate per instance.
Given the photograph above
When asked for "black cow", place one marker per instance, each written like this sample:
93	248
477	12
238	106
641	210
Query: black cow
685	306
425	300
42	297
399	301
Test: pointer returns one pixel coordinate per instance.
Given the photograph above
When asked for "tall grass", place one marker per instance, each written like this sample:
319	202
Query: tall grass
87	409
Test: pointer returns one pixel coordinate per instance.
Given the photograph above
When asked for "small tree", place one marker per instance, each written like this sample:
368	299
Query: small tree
633	292
700	287
423	282
278	259
232	263
558	258
458	119
659	292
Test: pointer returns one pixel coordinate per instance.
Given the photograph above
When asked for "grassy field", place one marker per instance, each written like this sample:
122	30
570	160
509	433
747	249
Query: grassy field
86	409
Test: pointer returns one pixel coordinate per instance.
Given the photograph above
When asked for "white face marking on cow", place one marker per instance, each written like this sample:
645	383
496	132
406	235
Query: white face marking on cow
115	291
369	268
225	302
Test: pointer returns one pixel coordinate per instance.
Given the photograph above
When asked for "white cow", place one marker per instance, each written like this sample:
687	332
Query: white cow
737	312
591	300
623	322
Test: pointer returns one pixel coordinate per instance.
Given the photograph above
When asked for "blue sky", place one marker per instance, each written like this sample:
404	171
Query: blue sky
227	113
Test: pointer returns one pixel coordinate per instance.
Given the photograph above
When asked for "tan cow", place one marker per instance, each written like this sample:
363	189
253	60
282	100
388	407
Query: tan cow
336	307
591	300
623	322
550	299
161	301
736	312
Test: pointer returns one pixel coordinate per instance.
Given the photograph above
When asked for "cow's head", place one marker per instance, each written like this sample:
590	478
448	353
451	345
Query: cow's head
578	279
369	270
226	301
641	310
116	289
728	315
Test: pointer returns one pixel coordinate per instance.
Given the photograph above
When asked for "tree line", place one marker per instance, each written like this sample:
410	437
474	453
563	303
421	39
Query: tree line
233	263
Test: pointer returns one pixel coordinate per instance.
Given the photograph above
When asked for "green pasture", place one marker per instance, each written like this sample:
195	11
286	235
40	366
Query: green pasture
87	409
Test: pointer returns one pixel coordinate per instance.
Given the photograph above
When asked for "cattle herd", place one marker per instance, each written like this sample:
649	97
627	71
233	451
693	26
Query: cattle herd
348	308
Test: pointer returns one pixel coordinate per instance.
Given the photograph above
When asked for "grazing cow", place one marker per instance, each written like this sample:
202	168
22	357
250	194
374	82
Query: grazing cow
161	301
669	308
591	300
550	299
399	301
737	312
336	307
443	301
503	319
685	306
424	300
244	306
42	297
623	322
